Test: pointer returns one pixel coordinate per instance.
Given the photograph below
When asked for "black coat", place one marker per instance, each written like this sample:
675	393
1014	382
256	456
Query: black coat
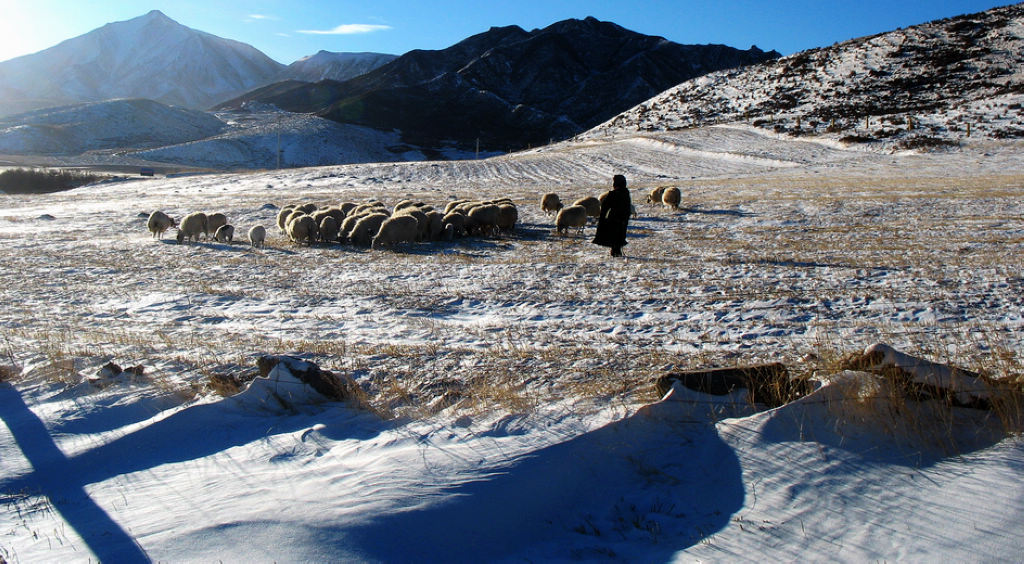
611	225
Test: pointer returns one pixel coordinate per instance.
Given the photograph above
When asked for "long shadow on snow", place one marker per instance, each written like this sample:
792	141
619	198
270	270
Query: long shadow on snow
659	481
194	432
56	477
110	413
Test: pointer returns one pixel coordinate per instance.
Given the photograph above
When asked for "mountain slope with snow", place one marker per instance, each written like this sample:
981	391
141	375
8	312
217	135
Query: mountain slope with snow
150	56
917	86
116	124
326	65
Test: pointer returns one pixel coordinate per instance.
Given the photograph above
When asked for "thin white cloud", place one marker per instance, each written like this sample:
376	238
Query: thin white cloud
261	17
347	29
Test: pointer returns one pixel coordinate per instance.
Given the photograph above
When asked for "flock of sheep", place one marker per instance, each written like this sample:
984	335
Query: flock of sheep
576	215
374	225
371	224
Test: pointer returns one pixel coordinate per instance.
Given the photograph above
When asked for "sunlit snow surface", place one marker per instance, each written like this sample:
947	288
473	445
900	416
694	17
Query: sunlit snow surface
783	250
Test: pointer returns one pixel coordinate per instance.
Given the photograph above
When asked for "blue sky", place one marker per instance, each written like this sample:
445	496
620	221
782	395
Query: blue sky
287	30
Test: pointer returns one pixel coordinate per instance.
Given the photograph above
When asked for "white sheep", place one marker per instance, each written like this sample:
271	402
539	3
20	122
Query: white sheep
302	229
358	213
366	228
453	204
591	204
572	216
401	228
447	233
654	197
550	204
257	236
436	219
284	215
422	220
329	228
191	226
225	233
671	197
214	221
456	221
158	223
483	219
508	215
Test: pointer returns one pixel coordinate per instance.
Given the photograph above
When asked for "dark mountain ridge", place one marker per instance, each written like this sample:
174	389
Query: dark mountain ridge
507	87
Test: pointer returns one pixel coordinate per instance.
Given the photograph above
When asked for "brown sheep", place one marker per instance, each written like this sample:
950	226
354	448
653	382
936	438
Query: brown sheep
158	223
671	197
401	228
572	216
591	204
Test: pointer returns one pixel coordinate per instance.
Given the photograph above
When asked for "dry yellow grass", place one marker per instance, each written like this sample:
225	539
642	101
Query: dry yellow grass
737	241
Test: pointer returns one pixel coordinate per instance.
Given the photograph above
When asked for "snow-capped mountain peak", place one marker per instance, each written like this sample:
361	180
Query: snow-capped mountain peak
151	56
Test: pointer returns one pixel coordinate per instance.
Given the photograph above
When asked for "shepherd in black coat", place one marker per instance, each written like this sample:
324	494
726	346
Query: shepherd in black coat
614	219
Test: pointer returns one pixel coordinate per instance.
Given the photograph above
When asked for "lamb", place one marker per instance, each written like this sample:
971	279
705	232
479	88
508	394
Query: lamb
671	197
158	223
257	236
572	216
214	221
225	233
191	226
550	204
364	230
654	197
302	229
591	204
401	228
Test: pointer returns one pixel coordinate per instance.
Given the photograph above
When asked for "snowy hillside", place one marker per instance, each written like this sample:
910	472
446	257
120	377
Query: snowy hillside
505	408
151	56
326	65
253	139
919	86
115	124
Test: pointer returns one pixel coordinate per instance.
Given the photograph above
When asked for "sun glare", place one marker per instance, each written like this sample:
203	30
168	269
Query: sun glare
16	34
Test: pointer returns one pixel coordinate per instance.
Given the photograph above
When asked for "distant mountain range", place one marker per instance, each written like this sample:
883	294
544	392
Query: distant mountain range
923	85
926	85
508	88
154	57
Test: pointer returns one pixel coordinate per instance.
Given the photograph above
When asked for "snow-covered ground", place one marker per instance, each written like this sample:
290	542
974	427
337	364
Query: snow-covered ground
509	410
